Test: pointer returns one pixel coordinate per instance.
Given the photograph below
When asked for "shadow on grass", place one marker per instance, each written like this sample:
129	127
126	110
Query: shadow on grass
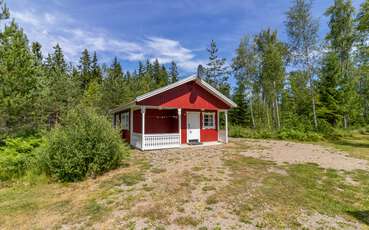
362	216
352	144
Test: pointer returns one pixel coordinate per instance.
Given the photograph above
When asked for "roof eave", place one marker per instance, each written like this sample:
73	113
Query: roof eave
123	107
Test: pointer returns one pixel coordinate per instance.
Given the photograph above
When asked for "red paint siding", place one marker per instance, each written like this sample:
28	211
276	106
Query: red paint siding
186	96
156	121
184	127
209	134
206	135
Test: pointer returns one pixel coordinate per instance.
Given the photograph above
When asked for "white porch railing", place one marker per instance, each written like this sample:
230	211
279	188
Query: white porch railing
156	141
222	136
136	140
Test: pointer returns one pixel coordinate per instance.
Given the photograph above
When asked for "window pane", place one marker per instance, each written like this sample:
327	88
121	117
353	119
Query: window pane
209	120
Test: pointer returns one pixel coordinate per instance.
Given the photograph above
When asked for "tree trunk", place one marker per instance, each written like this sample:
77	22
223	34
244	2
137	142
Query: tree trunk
277	114
309	69
314	113
345	121
267	113
276	106
252	115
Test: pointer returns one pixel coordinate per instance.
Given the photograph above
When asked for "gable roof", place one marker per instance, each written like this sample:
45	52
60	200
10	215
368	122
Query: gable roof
199	81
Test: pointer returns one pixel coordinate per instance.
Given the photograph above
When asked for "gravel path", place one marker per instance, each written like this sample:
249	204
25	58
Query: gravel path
294	153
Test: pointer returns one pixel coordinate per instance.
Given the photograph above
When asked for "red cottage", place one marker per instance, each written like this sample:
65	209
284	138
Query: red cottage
185	112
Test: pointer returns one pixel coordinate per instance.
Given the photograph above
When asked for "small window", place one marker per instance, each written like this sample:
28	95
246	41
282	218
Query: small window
208	120
125	121
116	120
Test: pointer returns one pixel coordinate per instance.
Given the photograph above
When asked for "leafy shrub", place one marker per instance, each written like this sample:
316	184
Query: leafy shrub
236	131
83	145
284	134
17	155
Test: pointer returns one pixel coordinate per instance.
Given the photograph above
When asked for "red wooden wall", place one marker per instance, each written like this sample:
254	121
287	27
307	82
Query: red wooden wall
206	135
186	96
156	121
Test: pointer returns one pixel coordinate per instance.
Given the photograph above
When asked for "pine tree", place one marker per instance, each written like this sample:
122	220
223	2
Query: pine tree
362	56
60	91
4	11
217	73
85	69
19	85
115	89
173	72
141	69
329	95
96	74
340	40
302	30
164	76
36	51
201	71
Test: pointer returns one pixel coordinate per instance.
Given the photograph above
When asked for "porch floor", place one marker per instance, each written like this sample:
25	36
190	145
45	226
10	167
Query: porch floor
202	145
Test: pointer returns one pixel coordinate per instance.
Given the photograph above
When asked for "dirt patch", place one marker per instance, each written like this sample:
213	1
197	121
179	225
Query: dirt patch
295	153
188	189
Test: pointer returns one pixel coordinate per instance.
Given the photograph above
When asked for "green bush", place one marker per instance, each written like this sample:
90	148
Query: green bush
284	134
17	155
83	145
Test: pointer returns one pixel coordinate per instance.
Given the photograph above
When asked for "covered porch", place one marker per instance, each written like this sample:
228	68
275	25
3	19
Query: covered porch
149	127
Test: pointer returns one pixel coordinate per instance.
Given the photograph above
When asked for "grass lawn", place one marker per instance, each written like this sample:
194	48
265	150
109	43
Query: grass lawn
357	145
199	188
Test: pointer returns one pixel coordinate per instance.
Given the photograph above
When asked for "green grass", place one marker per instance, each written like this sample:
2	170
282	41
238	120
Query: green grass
305	186
356	144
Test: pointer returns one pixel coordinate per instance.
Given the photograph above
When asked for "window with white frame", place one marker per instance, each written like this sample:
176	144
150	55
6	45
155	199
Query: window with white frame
116	120
208	120
124	120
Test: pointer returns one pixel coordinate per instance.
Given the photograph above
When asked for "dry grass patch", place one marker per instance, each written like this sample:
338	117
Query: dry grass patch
47	204
187	220
158	211
208	188
274	200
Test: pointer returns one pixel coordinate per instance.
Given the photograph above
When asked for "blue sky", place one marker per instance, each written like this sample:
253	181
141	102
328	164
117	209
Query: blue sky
136	30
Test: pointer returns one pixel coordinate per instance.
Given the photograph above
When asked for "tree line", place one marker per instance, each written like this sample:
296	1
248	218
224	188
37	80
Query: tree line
304	83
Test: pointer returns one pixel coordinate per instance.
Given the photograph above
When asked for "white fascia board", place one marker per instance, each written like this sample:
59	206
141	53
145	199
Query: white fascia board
201	82
123	107
218	94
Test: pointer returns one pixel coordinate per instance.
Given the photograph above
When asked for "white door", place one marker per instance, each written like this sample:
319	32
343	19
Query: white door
193	126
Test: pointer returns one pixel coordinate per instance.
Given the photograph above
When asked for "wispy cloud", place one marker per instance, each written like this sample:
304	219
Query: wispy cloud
52	28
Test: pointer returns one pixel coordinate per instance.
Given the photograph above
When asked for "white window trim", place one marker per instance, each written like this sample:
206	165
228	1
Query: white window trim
125	120
203	120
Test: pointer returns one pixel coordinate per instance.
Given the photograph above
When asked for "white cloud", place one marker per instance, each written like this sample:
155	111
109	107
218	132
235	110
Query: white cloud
49	30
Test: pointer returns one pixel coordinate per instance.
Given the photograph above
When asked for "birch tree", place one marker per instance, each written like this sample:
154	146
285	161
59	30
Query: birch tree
302	31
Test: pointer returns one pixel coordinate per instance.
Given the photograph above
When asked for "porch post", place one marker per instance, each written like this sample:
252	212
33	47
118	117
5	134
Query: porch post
226	126
218	124
130	125
179	125
143	127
